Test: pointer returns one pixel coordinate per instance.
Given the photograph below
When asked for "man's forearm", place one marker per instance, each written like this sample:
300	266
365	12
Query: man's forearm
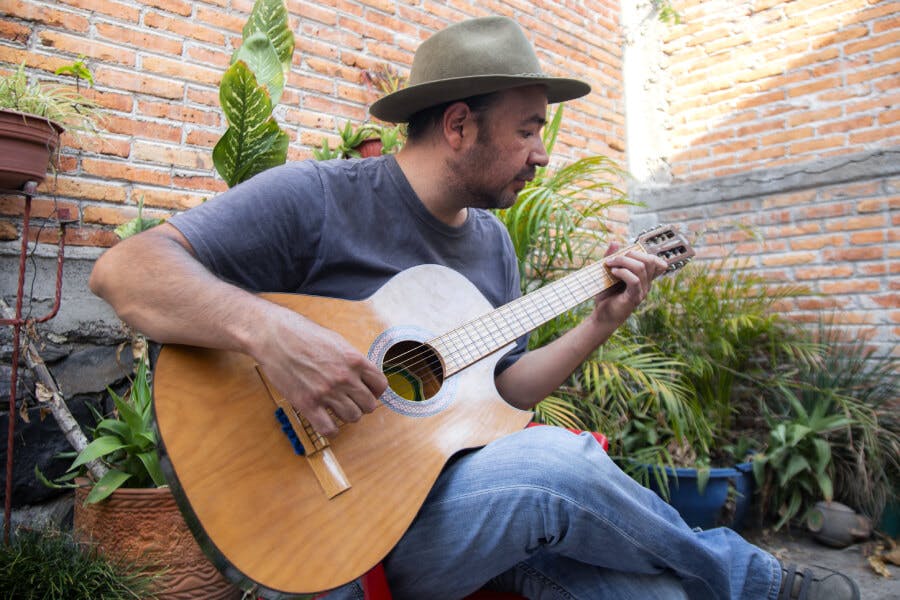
538	373
156	286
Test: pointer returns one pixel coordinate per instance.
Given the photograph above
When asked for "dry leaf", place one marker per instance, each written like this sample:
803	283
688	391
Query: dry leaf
893	556
877	564
23	413
42	392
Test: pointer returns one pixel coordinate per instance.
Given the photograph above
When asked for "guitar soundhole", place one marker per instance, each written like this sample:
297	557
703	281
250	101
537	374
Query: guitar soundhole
413	370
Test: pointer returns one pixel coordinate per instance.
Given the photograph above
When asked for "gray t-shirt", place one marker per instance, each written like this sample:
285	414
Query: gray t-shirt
341	229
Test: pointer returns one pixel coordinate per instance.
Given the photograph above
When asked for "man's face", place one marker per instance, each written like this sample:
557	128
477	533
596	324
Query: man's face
506	151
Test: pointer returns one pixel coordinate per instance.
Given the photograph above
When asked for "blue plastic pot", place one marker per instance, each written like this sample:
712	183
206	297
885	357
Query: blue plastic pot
712	508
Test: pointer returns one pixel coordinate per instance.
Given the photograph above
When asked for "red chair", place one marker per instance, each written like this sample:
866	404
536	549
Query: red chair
375	583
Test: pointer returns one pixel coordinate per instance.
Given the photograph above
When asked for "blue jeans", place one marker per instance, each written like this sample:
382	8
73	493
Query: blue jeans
547	514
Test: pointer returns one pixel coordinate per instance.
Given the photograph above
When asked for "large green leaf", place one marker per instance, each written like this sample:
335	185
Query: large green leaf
245	103
270	17
151	463
239	155
253	141
96	449
258	53
109	483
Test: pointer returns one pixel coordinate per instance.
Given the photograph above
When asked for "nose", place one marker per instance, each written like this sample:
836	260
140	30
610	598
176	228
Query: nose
538	155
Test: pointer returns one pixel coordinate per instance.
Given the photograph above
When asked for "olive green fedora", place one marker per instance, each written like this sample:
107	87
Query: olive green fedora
478	56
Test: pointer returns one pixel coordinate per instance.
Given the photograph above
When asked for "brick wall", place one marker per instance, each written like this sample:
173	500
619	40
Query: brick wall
762	83
157	64
752	91
782	123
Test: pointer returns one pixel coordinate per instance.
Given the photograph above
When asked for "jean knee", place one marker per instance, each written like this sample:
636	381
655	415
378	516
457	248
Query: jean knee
555	458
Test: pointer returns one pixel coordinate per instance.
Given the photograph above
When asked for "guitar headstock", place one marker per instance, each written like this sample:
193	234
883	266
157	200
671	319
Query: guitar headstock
669	244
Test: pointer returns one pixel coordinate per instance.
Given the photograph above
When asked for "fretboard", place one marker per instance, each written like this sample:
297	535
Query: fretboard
476	339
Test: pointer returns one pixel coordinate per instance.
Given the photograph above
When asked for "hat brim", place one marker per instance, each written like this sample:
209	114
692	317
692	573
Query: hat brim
399	106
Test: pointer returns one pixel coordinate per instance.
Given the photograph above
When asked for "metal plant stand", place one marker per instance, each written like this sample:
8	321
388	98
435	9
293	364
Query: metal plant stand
18	322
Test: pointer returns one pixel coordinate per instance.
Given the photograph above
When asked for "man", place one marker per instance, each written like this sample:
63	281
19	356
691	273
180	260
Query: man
541	511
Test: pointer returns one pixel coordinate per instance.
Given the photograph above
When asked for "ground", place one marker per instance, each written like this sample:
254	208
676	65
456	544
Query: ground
799	547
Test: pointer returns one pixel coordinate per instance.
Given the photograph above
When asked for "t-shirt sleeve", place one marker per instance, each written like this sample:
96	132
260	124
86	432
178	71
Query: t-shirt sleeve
262	234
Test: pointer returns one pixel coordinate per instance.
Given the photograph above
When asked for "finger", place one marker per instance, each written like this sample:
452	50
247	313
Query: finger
321	421
363	400
345	408
375	380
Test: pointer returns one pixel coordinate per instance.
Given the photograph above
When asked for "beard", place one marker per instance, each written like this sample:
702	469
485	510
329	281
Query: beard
476	177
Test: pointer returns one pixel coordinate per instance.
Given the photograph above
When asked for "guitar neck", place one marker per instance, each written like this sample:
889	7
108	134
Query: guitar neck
477	339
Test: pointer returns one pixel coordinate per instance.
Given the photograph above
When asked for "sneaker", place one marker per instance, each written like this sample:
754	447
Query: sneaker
823	584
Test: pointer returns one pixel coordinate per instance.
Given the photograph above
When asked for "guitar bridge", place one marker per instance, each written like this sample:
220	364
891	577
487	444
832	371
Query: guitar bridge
308	442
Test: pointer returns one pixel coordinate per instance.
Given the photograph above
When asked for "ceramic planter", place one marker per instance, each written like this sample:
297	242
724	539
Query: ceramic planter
144	526
724	502
27	144
370	147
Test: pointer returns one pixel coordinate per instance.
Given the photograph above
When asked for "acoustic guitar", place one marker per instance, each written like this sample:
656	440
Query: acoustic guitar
272	502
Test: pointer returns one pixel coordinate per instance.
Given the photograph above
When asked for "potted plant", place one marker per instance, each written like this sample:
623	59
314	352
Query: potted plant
130	514
367	140
32	117
680	388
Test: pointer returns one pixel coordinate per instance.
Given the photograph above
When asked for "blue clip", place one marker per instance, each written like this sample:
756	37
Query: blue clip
289	432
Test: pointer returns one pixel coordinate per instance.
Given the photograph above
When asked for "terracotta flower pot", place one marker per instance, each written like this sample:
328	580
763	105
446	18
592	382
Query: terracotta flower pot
370	147
27	143
144	526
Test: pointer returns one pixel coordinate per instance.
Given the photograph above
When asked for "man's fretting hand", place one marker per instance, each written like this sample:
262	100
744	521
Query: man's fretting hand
636	270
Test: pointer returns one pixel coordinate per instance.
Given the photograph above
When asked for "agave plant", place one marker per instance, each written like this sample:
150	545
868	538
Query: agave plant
125	442
855	384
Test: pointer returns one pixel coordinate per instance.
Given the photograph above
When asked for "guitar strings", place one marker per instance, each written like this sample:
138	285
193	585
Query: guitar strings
422	357
425	354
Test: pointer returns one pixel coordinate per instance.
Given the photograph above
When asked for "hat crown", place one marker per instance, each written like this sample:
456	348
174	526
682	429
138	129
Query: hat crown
478	56
485	46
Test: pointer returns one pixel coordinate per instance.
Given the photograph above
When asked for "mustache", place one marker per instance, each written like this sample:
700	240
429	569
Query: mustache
527	174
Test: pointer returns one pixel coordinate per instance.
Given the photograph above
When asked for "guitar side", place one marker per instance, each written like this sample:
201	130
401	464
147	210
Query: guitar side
256	507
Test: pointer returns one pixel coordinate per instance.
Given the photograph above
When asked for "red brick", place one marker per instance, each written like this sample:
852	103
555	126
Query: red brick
142	83
171	155
109	53
181	113
815	86
104	215
179	7
853	286
76	236
178	69
138	38
41	208
854	254
113	170
119	10
867	237
817	144
816	242
188	29
853	223
824	272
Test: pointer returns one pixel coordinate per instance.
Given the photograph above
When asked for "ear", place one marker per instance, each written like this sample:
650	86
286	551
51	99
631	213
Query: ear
458	125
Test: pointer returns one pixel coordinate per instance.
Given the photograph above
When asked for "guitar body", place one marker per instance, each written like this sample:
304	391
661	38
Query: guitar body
265	514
